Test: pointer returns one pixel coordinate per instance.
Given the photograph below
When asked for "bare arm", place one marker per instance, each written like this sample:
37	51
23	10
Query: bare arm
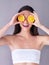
6	27
39	25
3	41
45	29
45	40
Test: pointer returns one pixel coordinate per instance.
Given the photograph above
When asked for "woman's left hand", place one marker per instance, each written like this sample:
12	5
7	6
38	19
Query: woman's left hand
37	22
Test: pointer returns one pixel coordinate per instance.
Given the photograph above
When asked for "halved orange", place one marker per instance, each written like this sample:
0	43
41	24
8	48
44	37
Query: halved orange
21	18
31	19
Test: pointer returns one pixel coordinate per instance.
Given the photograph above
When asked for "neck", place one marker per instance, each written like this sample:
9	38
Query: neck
25	33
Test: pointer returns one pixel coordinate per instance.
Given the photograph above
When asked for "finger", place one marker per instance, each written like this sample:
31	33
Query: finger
34	14
31	14
17	14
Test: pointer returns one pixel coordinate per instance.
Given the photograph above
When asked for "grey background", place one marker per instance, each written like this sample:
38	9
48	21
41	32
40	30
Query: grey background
8	8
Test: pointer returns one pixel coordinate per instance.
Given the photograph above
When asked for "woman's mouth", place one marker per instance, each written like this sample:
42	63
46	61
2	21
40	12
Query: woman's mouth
26	25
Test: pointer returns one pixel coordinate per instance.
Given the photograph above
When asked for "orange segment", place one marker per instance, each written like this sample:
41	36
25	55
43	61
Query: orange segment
31	19
21	18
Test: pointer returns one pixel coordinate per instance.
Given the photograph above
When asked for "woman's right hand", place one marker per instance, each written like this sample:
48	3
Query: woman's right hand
14	20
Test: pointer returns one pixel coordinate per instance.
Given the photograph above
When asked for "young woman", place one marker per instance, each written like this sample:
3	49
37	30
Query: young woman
25	43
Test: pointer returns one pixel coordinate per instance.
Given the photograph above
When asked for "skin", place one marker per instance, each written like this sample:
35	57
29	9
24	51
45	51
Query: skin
24	40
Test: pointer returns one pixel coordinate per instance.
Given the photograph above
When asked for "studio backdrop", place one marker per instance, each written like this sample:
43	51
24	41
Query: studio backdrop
8	8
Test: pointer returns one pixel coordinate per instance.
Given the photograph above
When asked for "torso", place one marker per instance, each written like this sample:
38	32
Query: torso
19	42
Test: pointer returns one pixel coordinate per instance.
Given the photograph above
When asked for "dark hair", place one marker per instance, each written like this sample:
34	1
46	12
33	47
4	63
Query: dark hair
33	29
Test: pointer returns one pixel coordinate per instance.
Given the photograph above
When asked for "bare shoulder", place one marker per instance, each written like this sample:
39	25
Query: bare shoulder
44	39
5	40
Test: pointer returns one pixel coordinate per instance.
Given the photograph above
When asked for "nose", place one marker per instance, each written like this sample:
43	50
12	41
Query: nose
25	22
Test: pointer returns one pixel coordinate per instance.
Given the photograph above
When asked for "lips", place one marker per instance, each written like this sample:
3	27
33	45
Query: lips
25	25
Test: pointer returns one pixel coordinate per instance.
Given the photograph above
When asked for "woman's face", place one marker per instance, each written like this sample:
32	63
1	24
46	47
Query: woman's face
25	23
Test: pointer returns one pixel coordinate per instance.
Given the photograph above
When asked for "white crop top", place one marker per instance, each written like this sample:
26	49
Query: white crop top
26	56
